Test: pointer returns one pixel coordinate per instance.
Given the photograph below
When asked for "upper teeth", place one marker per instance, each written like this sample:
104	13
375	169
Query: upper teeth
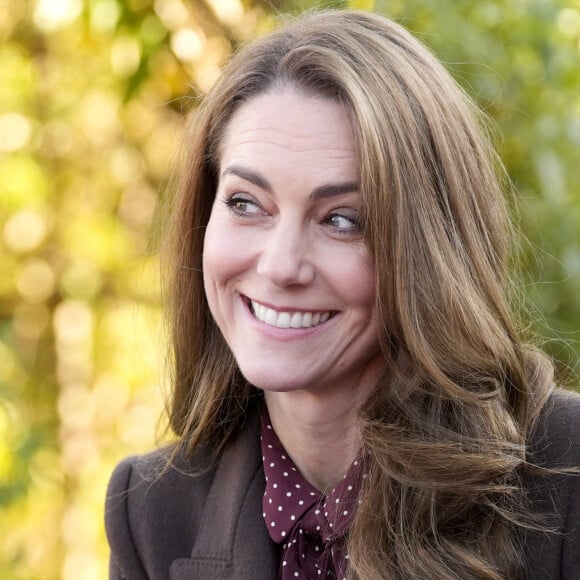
288	319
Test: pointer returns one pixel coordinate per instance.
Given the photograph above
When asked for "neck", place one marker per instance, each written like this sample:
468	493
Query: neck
320	434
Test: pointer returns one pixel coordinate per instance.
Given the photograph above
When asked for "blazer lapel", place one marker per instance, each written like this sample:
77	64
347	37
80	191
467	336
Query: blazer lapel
234	542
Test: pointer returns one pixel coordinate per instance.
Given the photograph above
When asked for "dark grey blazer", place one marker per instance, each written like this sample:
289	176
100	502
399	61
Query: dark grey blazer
179	526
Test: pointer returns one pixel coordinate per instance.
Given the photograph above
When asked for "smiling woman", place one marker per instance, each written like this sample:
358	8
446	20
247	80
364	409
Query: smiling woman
288	277
352	395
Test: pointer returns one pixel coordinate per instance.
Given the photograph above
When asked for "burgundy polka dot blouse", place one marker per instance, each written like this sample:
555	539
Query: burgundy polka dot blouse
310	528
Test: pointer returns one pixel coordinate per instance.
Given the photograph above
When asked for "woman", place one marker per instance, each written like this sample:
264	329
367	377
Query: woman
352	396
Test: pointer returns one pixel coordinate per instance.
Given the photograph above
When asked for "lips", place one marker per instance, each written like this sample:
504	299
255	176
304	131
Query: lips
285	319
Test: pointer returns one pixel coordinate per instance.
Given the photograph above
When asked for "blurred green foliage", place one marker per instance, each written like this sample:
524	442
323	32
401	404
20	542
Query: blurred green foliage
92	100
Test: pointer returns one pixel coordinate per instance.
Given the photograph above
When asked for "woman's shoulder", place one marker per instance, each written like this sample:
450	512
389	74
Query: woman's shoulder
555	439
152	507
554	489
151	474
167	465
162	504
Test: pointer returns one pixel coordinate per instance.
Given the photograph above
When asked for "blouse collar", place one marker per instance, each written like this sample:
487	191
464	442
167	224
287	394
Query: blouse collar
310	526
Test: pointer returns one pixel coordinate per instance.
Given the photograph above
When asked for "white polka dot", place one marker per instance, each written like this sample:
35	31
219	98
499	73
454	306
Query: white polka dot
296	574
288	493
356	463
280	509
269	446
312	493
273	525
297	485
349	488
316	512
285	474
365	475
344	513
292	517
301	502
337	500
270	500
284	563
283	533
274	485
317	549
264	515
283	457
272	464
317	528
268	426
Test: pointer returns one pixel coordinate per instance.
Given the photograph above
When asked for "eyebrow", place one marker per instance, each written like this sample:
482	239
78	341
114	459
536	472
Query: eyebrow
248	175
320	192
332	189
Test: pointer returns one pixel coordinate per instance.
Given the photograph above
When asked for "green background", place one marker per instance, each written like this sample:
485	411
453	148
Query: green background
93	96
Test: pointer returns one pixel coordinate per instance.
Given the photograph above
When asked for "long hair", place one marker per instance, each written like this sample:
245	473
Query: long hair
444	432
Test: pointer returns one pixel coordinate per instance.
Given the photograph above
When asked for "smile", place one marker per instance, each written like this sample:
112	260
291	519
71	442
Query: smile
288	319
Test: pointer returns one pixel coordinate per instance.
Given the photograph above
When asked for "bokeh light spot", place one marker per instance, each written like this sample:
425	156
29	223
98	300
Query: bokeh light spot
187	44
73	322
98	117
35	280
172	13
50	15
104	15
15	131
125	56
228	11
23	181
25	231
568	22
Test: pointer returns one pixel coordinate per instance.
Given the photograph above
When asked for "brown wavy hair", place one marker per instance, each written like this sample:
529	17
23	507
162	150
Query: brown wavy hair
445	431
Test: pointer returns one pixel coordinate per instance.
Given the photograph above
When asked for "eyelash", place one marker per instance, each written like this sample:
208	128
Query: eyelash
354	228
235	200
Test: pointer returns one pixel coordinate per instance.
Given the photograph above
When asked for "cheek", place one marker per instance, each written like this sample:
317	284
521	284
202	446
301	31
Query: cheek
218	259
356	280
215	264
218	252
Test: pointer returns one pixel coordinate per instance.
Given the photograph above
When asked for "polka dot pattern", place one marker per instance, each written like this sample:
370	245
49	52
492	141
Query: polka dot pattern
311	528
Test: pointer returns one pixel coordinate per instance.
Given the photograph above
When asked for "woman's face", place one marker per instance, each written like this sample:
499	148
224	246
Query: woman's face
288	277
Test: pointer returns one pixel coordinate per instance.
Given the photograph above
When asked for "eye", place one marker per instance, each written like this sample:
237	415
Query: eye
243	205
344	221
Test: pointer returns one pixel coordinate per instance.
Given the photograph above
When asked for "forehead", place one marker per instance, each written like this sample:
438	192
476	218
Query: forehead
288	128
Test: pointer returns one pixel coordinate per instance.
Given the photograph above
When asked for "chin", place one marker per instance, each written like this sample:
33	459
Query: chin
273	382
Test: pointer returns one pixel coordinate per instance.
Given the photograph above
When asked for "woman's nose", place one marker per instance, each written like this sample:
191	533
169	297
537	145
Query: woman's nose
285	257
